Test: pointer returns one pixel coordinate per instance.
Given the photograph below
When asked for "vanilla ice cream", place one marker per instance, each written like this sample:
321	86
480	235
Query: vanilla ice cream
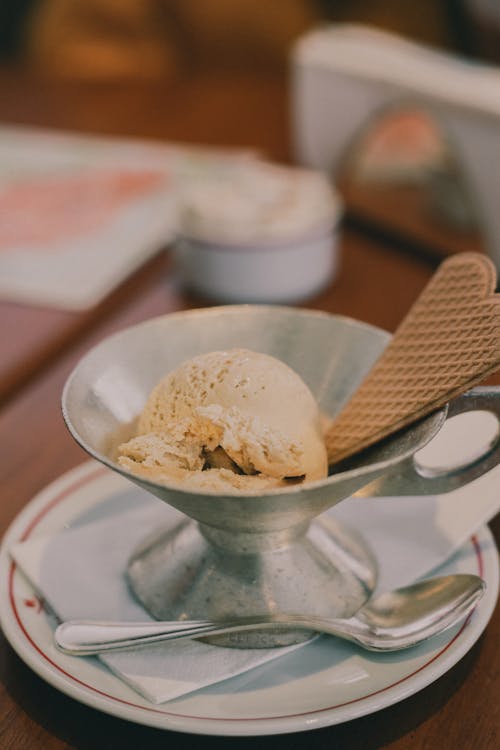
228	419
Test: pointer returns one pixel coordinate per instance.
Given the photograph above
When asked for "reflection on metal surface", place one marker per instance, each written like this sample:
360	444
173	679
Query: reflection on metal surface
403	175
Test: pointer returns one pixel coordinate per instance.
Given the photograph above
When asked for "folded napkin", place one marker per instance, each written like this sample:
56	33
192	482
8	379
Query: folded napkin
79	572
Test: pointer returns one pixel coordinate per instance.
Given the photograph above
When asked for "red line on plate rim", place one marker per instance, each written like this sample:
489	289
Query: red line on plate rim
93	475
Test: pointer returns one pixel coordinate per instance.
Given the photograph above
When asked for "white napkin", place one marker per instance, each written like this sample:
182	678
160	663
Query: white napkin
79	572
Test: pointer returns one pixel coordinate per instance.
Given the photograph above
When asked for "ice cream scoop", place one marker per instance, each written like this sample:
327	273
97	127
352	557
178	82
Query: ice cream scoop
235	418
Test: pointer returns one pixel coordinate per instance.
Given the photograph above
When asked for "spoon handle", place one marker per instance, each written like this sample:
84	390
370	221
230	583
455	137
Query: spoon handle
379	626
90	637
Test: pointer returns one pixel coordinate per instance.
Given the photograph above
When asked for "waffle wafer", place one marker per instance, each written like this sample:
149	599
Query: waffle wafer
448	342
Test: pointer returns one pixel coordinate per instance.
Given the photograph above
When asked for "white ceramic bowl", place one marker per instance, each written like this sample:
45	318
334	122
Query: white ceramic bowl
267	234
284	273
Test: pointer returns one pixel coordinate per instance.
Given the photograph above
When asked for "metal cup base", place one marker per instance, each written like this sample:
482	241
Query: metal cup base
193	571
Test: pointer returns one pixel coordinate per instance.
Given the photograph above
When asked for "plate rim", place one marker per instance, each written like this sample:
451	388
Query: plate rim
438	663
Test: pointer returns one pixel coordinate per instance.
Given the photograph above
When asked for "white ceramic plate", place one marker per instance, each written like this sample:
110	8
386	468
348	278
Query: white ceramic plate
326	682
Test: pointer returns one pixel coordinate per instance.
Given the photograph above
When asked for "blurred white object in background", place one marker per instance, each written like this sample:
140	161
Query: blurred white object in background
265	233
344	77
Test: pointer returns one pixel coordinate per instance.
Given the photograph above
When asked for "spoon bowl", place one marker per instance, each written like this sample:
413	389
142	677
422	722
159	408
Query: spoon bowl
391	621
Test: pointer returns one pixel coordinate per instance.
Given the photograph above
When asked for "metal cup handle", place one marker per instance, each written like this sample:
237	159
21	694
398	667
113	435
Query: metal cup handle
407	479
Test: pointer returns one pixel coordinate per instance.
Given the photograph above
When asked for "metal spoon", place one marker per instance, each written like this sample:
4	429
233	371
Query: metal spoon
389	622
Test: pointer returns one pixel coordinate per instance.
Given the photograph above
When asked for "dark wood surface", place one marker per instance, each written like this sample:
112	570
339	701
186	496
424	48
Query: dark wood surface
377	282
403	214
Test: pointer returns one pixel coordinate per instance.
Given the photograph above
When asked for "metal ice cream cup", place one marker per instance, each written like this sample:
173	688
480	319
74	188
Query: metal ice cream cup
234	553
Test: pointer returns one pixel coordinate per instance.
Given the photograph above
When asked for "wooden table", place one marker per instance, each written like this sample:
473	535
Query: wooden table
377	283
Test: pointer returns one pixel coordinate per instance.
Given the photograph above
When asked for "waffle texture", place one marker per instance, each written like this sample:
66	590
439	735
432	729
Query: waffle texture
448	342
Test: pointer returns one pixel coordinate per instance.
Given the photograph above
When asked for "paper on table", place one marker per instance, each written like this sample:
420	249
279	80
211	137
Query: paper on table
409	537
79	213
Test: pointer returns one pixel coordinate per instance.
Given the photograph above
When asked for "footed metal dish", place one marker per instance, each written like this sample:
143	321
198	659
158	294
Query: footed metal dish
238	554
